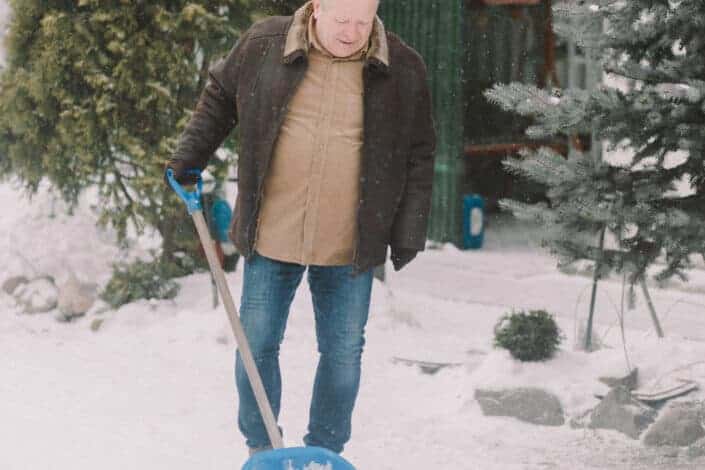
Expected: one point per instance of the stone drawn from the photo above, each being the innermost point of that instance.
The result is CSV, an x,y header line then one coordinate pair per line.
x,y
75,297
620,412
39,295
96,324
12,283
670,452
678,425
696,449
222,339
532,405
580,421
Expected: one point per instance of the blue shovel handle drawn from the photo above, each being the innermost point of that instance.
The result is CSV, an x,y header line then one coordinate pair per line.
x,y
192,199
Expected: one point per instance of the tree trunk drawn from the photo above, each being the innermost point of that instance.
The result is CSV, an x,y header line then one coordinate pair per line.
x,y
595,276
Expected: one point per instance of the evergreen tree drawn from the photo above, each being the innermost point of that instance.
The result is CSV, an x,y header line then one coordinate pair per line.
x,y
96,93
278,7
624,215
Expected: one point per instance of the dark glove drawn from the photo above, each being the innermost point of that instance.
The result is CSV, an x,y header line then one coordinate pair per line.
x,y
401,256
181,174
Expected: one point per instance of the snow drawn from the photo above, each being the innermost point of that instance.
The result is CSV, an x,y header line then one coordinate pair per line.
x,y
50,241
622,155
315,466
42,292
153,387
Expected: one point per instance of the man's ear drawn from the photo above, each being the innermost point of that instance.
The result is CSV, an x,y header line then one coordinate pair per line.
x,y
316,8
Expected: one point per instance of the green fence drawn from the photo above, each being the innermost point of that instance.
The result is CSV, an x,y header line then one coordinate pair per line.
x,y
503,45
435,29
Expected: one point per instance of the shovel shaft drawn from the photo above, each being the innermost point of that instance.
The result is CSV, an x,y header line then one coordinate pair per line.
x,y
265,408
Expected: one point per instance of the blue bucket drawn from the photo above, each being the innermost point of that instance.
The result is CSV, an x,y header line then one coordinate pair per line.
x,y
297,458
473,221
220,219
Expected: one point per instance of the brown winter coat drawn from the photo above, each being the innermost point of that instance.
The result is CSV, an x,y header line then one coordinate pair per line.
x,y
252,88
308,213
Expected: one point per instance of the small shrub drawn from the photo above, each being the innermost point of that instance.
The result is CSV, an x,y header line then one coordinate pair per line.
x,y
145,280
528,337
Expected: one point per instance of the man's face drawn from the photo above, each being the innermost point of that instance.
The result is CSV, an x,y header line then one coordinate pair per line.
x,y
344,26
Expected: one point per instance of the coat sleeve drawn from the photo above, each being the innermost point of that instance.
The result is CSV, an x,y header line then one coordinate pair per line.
x,y
213,119
411,219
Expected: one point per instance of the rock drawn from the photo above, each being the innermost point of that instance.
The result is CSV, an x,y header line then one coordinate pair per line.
x,y
75,298
37,296
580,421
619,411
532,405
696,449
678,425
670,452
629,381
222,339
96,324
12,283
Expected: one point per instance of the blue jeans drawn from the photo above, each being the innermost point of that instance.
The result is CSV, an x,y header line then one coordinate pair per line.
x,y
341,304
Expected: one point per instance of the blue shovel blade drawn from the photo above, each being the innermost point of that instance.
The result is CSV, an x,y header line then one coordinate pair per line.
x,y
297,458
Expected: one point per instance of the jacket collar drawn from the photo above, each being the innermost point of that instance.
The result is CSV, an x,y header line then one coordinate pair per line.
x,y
298,44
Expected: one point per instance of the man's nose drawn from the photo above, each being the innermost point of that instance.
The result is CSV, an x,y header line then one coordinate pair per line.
x,y
349,33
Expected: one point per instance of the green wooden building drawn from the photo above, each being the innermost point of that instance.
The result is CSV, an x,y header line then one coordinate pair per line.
x,y
468,45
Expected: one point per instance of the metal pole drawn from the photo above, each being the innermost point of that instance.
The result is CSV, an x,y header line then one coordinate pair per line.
x,y
595,277
652,310
265,408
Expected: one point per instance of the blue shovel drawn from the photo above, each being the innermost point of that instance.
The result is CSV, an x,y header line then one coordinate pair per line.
x,y
279,458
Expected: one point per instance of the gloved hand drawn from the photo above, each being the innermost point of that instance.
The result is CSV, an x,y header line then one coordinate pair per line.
x,y
181,174
401,256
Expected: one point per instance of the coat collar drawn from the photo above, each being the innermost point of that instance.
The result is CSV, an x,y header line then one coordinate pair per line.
x,y
298,44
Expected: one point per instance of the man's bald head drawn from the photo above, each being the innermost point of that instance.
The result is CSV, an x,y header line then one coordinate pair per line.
x,y
326,3
344,26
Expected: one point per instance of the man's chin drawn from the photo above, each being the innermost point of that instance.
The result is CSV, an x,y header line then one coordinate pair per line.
x,y
345,51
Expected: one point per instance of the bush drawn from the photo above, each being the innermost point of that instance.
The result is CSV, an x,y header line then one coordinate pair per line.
x,y
145,280
528,337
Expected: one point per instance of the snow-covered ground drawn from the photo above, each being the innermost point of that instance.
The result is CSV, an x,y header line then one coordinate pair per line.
x,y
153,387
